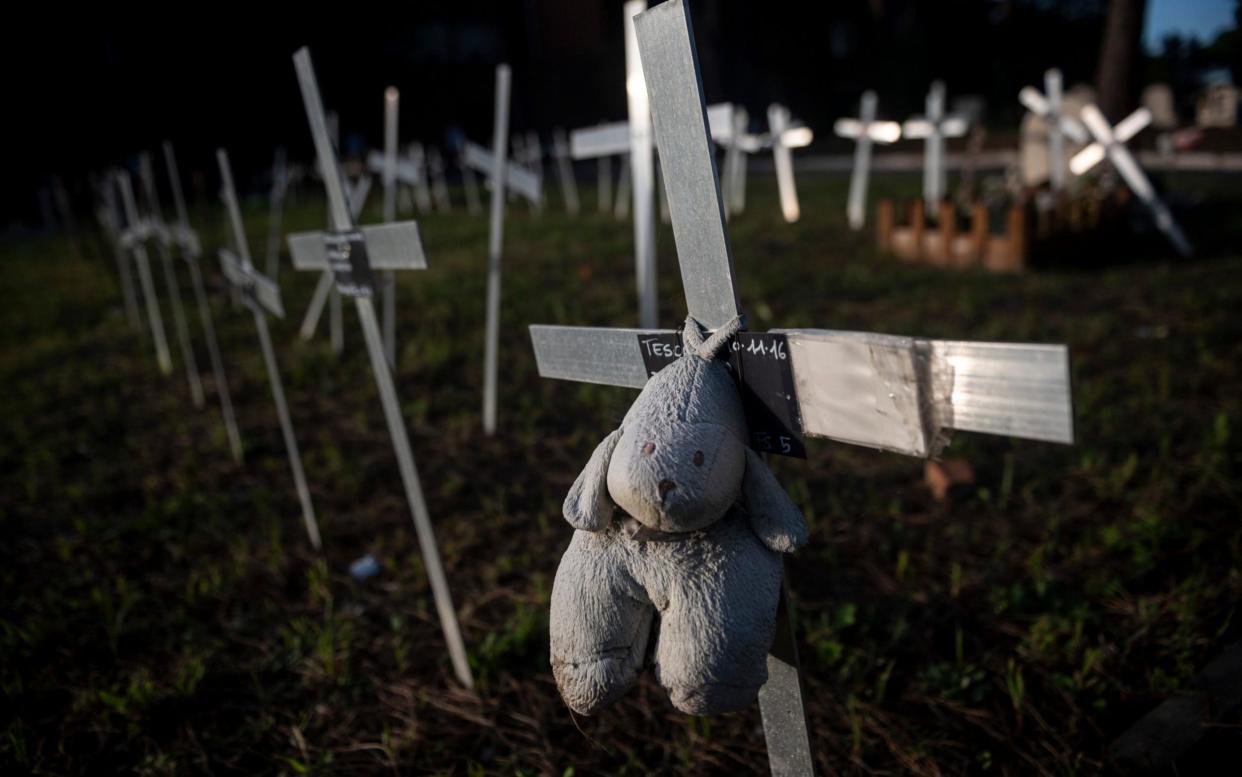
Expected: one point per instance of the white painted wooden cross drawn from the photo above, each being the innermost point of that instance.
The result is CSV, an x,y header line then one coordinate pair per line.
x,y
864,130
187,242
503,175
785,135
1111,142
1047,106
164,245
352,253
133,238
933,128
898,393
262,296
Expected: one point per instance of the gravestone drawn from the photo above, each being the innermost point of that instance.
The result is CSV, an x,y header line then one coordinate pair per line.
x,y
1111,142
262,296
1158,99
352,254
897,393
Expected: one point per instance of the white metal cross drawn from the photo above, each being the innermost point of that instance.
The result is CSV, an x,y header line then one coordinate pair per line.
x,y
865,130
325,290
934,128
565,170
352,253
1111,142
1047,106
133,238
262,296
164,243
108,213
191,250
898,393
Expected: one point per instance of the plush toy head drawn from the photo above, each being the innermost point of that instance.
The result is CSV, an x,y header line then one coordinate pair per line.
x,y
679,462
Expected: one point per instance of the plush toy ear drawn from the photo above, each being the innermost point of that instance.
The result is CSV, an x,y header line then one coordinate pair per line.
x,y
587,505
773,516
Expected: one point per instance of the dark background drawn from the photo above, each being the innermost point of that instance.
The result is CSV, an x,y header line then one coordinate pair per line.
x,y
96,92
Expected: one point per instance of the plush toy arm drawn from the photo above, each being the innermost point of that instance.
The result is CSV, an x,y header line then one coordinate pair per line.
x,y
587,505
773,516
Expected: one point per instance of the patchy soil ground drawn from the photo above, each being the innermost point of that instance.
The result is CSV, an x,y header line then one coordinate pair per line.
x,y
162,612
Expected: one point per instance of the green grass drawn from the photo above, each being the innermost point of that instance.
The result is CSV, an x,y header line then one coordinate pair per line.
x,y
163,613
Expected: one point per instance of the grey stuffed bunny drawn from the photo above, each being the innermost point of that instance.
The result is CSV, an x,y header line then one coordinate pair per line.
x,y
699,544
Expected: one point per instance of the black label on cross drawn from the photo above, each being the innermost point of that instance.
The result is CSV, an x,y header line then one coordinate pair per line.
x,y
347,258
759,362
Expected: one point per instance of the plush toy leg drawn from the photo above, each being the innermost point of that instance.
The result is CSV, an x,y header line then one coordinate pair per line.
x,y
599,624
718,623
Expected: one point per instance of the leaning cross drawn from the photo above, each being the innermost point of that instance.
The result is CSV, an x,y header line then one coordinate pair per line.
x,y
184,236
1111,142
865,130
933,129
1060,126
262,296
164,242
565,170
880,391
109,216
352,254
134,237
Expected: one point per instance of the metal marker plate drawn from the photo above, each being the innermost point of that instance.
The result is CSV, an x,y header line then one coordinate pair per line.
x,y
759,362
347,258
396,246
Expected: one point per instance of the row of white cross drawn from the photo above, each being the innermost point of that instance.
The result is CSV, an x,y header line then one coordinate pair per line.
x,y
901,394
935,126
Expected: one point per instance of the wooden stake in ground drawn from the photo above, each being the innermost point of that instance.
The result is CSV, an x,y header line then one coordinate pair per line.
x,y
134,237
807,382
263,298
864,130
933,128
352,253
186,239
1111,142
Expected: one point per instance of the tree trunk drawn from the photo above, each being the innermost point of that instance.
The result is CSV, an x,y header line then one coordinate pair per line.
x,y
1120,57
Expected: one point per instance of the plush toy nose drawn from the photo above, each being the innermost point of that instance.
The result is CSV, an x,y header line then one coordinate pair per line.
x,y
664,487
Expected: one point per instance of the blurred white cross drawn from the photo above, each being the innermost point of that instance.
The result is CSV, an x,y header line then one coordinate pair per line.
x,y
934,128
1047,106
866,130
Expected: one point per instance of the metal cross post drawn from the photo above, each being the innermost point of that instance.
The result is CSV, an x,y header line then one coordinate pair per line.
x,y
1060,126
933,128
471,187
164,241
533,160
1111,142
191,250
109,215
785,135
352,253
504,175
262,296
439,184
134,237
738,146
275,212
565,170
325,290
864,130
898,393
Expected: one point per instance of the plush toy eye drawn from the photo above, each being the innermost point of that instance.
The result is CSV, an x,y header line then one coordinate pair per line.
x,y
698,458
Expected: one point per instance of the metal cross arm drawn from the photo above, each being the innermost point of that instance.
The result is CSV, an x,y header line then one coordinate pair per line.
x,y
395,246
896,393
520,179
349,251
